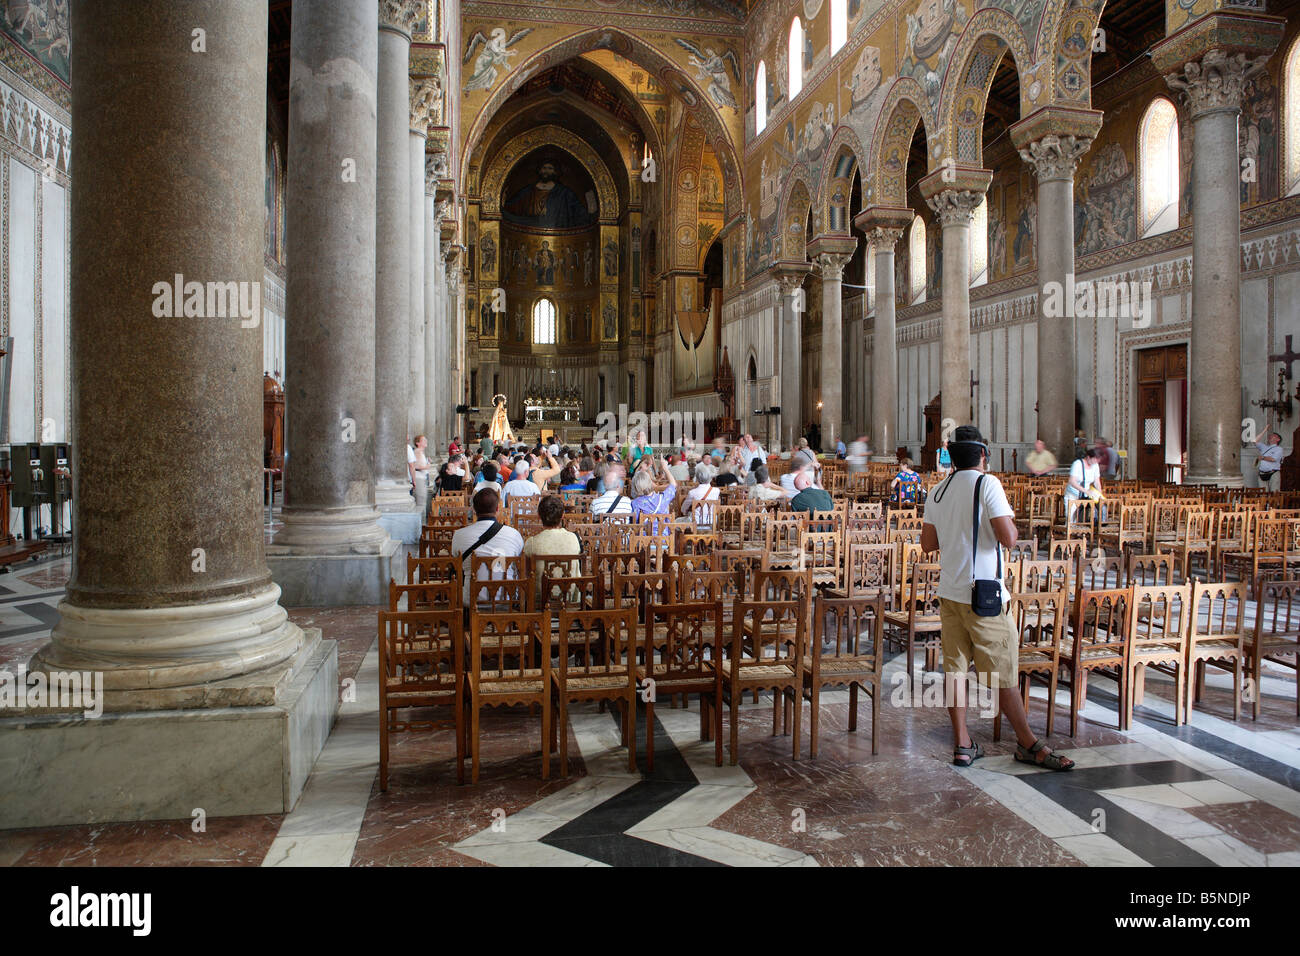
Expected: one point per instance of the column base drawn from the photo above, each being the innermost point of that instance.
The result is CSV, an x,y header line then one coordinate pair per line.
x,y
394,496
885,459
1232,480
247,747
352,530
327,580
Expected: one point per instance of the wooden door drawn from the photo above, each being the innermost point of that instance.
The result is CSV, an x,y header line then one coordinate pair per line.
x,y
1155,368
1151,432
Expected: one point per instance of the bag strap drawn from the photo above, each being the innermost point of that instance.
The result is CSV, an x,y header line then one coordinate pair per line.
x,y
484,538
613,505
975,543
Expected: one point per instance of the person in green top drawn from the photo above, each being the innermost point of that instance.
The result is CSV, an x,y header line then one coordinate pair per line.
x,y
808,496
634,450
485,447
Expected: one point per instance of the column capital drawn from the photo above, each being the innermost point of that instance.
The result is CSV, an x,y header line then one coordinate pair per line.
x,y
954,191
832,265
1053,139
400,16
790,275
1216,82
955,207
884,238
888,219
426,104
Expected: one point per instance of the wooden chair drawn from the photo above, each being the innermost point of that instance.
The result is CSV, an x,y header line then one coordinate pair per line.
x,y
767,651
1151,570
869,573
1218,637
1040,618
597,658
421,665
1159,622
728,524
846,650
429,569
683,650
509,664
1129,528
914,621
1098,641
1196,537
432,596
822,555
782,540
435,542
499,583
1276,635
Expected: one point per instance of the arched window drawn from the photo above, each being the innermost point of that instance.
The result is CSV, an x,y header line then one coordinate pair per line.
x,y
796,58
916,260
1291,121
979,244
1158,157
544,322
839,24
760,98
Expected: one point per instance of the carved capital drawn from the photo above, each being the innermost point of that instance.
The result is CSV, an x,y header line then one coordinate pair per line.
x,y
789,282
400,15
884,238
832,265
426,104
1055,157
435,169
955,207
1216,82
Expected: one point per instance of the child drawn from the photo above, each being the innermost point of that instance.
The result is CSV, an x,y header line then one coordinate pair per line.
x,y
906,484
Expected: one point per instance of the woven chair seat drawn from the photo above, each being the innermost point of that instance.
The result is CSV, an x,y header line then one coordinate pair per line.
x,y
1216,645
529,683
1161,651
924,622
759,671
1276,640
1089,653
613,681
420,698
842,667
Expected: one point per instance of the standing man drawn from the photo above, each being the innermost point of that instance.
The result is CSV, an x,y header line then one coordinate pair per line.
x,y
968,551
1270,459
1040,461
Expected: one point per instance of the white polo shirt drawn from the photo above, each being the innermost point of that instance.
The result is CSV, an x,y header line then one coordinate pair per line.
x,y
950,509
507,542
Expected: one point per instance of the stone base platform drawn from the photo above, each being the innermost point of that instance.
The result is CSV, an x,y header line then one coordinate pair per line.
x,y
329,580
167,763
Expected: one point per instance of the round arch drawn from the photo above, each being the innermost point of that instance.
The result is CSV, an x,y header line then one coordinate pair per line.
x,y
845,156
499,166
792,216
647,57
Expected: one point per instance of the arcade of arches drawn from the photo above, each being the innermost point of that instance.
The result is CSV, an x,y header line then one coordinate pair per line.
x,y
359,221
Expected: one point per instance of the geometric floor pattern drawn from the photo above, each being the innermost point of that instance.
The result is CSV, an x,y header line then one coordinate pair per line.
x,y
1213,792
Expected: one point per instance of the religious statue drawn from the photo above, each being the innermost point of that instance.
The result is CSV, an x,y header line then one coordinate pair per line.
x,y
547,203
499,431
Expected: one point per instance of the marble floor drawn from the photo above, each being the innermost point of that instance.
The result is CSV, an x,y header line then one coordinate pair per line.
x,y
1213,792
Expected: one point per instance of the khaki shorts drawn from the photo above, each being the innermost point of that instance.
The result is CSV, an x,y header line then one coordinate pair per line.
x,y
989,642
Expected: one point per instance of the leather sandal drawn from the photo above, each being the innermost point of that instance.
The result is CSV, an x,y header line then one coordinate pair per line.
x,y
1051,759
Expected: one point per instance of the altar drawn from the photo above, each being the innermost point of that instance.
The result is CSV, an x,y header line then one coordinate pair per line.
x,y
558,405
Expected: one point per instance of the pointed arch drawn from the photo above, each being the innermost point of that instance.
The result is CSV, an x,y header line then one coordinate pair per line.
x,y
885,180
499,166
646,56
845,156
988,37
792,216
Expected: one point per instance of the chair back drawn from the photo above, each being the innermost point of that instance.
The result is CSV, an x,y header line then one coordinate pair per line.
x,y
500,583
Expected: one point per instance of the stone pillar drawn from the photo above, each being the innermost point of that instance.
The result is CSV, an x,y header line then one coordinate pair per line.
x,y
218,700
1052,140
884,226
436,390
833,254
423,93
393,264
331,548
953,193
790,277
1209,69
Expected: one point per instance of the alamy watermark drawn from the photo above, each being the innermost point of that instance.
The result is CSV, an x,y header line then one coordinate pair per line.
x,y
210,300
667,429
64,690
1098,298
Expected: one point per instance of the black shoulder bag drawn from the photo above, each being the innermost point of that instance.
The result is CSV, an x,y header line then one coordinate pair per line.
x,y
985,595
484,538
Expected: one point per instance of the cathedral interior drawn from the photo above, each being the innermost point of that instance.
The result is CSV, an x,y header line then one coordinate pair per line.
x,y
296,236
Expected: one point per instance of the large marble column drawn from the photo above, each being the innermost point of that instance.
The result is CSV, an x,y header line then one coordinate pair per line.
x,y
953,193
218,701
393,264
884,226
331,549
422,103
436,390
1209,69
790,277
833,254
1052,140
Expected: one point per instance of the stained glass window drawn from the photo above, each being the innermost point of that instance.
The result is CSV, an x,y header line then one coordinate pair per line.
x,y
760,98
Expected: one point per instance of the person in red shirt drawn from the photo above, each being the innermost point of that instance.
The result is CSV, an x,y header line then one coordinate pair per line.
x,y
454,448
